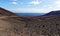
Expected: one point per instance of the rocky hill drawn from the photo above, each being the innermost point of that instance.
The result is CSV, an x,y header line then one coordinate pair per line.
x,y
29,26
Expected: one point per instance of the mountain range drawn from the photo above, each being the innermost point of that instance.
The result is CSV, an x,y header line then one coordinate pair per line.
x,y
14,25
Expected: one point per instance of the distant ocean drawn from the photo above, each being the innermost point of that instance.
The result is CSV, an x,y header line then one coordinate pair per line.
x,y
30,14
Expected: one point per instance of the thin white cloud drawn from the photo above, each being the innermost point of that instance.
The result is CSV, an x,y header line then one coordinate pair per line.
x,y
56,5
31,10
14,2
35,2
46,8
57,2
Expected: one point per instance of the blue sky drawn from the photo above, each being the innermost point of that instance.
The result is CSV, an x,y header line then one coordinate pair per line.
x,y
30,6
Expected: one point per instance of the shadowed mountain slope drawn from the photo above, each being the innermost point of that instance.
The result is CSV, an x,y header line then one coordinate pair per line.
x,y
30,26
53,13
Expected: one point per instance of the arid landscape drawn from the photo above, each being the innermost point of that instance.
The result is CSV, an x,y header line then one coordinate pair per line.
x,y
14,25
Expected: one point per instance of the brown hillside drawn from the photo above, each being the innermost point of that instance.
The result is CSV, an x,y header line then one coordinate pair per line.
x,y
30,26
4,12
